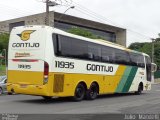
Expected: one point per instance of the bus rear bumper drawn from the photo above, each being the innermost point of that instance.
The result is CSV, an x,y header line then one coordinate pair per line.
x,y
40,90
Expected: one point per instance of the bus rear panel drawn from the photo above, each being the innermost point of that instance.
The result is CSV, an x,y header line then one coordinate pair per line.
x,y
27,68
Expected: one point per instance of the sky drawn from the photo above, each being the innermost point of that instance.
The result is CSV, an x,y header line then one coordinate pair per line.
x,y
141,18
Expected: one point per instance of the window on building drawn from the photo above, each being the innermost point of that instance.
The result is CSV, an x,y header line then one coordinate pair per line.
x,y
109,36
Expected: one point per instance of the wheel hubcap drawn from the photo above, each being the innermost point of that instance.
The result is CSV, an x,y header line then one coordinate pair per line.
x,y
93,92
79,92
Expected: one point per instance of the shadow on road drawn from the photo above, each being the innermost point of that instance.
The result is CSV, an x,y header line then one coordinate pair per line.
x,y
117,95
43,101
69,99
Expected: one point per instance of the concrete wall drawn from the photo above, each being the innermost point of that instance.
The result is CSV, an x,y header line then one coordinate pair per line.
x,y
39,19
121,37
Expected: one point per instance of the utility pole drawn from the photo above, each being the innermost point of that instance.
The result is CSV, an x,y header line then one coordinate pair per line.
x,y
49,4
152,74
47,13
153,40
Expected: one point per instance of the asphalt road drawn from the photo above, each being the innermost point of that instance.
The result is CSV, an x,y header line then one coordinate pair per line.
x,y
148,102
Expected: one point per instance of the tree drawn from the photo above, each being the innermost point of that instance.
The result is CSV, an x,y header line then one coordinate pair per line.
x,y
4,39
147,48
157,51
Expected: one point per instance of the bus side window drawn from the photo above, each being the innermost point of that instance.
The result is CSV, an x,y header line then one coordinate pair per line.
x,y
140,60
108,54
137,60
133,59
95,50
79,49
122,57
55,43
90,56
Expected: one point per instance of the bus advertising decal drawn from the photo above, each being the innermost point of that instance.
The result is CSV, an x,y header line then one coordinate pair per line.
x,y
25,36
89,67
24,54
130,79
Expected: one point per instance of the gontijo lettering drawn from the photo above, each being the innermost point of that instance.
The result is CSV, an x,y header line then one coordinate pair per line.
x,y
102,68
25,45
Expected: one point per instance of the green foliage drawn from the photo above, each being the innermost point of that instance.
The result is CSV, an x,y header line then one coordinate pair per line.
x,y
147,48
4,39
84,33
2,70
157,54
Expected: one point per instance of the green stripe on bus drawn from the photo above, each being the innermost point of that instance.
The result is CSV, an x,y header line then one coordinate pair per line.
x,y
130,79
123,79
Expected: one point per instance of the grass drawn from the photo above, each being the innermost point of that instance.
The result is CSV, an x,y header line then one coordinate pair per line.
x,y
2,70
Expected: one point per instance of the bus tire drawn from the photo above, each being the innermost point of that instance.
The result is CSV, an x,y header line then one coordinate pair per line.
x,y
47,97
10,93
92,92
79,92
140,89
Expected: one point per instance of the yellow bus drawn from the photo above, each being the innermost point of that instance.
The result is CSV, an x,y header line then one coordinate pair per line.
x,y
47,62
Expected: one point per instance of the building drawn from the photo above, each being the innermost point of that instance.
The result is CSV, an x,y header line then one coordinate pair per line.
x,y
66,22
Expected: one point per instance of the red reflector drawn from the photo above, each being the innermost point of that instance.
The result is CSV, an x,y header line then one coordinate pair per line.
x,y
24,60
46,69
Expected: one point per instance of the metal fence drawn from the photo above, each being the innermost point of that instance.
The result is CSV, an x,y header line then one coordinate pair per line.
x,y
157,74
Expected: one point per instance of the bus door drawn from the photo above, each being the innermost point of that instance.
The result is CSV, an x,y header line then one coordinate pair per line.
x,y
148,68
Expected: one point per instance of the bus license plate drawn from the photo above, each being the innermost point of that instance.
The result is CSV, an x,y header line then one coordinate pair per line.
x,y
23,85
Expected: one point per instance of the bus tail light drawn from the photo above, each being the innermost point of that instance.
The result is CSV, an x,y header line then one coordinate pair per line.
x,y
46,72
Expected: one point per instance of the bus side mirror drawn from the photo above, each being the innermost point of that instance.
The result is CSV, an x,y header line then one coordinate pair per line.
x,y
153,67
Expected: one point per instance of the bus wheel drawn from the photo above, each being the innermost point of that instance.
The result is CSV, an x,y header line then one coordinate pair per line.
x,y
92,93
47,97
10,93
140,89
79,92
